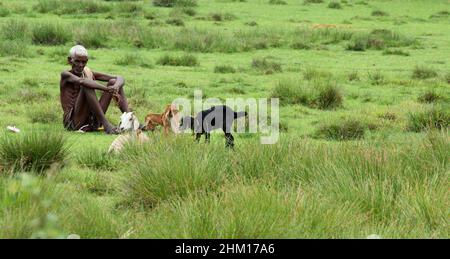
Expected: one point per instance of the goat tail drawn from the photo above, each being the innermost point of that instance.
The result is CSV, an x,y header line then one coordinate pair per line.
x,y
240,114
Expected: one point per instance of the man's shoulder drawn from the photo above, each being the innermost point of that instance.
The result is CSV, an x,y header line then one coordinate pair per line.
x,y
65,74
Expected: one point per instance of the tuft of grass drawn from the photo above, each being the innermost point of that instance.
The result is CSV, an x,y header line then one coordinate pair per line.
x,y
353,76
28,208
320,94
133,59
277,2
186,60
35,151
15,30
397,52
328,97
447,78
175,21
421,72
376,78
224,69
93,34
311,73
50,34
312,1
335,5
97,159
45,114
379,13
348,129
430,96
435,117
266,66
14,48
172,3
151,179
219,17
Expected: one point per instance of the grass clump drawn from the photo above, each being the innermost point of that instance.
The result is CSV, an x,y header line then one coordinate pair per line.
x,y
50,34
353,76
328,97
151,178
97,159
312,1
224,69
319,94
35,151
93,34
349,129
175,21
435,117
277,2
172,3
397,52
421,72
379,13
43,114
133,59
266,66
376,78
186,60
219,17
335,5
430,97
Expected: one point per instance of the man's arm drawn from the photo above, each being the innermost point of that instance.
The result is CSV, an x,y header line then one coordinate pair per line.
x,y
120,81
71,78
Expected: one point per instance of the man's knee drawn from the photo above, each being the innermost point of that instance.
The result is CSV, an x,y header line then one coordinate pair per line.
x,y
111,82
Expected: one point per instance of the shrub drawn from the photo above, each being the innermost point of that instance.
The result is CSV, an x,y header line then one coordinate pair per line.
x,y
348,129
47,6
447,78
436,117
187,60
358,43
266,66
35,151
50,34
388,116
129,8
421,72
334,5
224,69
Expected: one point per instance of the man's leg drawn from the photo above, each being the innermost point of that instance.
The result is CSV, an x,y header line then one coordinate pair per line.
x,y
105,99
86,103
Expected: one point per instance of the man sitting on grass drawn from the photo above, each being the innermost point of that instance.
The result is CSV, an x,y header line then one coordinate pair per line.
x,y
82,109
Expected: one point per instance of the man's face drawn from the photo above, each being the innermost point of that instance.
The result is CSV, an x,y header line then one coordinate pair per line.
x,y
78,63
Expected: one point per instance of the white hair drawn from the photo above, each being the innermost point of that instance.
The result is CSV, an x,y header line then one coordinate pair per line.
x,y
78,50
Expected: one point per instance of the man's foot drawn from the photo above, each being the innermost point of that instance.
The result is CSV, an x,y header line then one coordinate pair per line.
x,y
112,130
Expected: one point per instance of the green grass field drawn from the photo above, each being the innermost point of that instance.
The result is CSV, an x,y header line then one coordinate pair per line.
x,y
364,89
